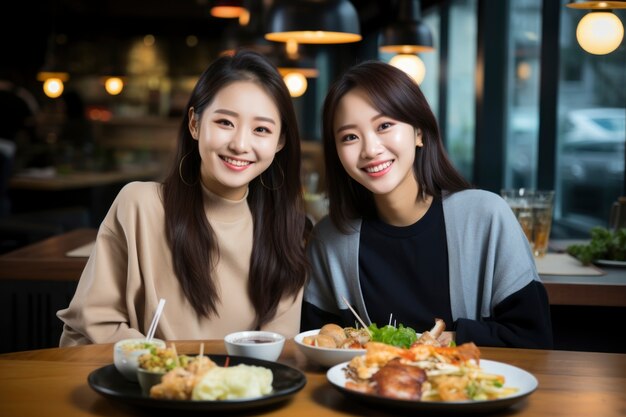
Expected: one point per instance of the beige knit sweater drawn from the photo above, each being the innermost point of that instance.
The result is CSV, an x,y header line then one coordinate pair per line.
x,y
130,269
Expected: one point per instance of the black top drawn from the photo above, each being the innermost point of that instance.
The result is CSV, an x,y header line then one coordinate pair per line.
x,y
403,271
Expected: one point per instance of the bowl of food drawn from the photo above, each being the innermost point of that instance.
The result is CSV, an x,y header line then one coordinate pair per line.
x,y
147,379
127,351
255,344
332,344
152,366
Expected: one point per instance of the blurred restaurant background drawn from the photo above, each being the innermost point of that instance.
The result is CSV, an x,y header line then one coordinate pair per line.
x,y
519,101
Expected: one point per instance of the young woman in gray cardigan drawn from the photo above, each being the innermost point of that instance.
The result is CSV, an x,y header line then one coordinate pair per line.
x,y
407,237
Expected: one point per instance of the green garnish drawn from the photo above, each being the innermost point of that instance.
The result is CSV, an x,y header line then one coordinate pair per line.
x,y
472,390
397,336
604,244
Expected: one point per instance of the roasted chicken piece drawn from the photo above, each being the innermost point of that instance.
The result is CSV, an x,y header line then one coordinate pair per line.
x,y
397,380
430,337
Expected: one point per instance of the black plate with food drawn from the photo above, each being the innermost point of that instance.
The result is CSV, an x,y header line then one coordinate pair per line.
x,y
287,381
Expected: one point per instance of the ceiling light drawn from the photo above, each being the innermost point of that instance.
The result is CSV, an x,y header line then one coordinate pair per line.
x,y
114,85
313,21
411,64
51,74
296,83
407,34
53,87
600,31
228,9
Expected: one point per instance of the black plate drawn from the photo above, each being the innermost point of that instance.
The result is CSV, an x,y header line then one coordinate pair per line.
x,y
108,382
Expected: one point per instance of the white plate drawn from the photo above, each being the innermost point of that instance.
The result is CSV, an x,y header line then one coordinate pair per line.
x,y
515,377
606,262
325,356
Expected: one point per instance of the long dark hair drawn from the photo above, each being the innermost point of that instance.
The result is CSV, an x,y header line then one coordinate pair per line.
x,y
396,95
278,262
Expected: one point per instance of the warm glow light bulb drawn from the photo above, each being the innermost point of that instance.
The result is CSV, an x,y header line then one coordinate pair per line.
x,y
114,85
227,12
296,83
411,64
599,32
53,87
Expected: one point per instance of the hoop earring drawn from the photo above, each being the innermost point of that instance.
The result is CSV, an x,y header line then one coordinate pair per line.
x,y
282,174
180,171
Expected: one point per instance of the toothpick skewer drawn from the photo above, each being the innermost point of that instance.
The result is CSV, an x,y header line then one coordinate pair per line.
x,y
201,350
175,354
356,315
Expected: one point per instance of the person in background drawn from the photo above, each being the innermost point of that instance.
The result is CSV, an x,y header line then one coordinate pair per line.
x,y
407,236
18,110
221,239
77,144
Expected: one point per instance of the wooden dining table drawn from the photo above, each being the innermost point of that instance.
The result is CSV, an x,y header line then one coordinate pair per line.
x,y
53,382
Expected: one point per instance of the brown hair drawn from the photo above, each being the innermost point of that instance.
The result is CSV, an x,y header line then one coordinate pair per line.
x,y
278,262
395,94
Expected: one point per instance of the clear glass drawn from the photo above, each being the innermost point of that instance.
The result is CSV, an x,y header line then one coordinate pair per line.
x,y
461,120
591,133
533,209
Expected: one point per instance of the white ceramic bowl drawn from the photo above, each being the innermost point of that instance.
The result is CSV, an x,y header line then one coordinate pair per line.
x,y
325,356
127,351
255,344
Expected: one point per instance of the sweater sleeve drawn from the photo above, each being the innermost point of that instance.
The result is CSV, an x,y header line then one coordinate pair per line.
x,y
98,311
521,320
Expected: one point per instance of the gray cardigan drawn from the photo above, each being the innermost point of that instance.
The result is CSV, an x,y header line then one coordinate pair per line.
x,y
489,258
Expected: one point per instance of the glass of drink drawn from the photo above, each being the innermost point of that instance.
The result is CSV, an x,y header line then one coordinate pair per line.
x,y
542,220
533,210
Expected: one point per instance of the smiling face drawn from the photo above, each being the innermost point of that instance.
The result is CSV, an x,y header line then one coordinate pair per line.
x,y
238,135
375,150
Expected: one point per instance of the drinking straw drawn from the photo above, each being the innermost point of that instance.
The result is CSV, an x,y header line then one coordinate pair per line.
x,y
155,319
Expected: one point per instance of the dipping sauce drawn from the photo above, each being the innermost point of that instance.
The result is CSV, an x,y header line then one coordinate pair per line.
x,y
255,339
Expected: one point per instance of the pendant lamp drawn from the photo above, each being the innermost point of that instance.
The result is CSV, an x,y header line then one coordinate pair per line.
x,y
52,76
313,22
295,68
248,34
408,34
600,31
228,9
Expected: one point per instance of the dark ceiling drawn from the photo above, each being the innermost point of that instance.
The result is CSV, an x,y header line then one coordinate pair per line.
x,y
102,20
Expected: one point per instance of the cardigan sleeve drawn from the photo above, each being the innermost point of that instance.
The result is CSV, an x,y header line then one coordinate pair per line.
x,y
333,258
521,320
496,294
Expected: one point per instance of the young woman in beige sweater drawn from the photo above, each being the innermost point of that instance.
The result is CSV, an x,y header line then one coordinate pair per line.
x,y
221,239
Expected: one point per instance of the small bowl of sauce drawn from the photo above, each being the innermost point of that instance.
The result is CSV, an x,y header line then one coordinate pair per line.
x,y
257,344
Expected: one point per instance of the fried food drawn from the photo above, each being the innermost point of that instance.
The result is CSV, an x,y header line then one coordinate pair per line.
x,y
336,337
335,331
424,372
397,380
179,382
